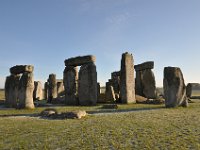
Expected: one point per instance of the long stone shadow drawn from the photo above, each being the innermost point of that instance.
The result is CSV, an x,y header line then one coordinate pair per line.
x,y
112,111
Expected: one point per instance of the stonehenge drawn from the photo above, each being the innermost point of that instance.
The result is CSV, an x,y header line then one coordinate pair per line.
x,y
174,87
127,81
145,84
79,84
80,87
19,87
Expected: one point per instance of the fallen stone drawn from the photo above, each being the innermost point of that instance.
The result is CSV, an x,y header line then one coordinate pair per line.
x,y
140,99
81,60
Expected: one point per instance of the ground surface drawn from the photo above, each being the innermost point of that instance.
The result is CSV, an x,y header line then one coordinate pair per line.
x,y
135,126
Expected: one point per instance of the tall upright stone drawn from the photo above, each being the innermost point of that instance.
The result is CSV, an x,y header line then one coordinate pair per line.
x,y
115,77
46,87
127,81
174,87
189,90
70,83
52,91
98,89
87,84
60,88
26,87
38,91
11,90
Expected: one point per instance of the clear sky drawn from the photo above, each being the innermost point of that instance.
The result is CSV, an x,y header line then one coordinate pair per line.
x,y
46,32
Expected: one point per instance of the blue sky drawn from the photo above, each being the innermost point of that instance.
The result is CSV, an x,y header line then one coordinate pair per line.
x,y
46,32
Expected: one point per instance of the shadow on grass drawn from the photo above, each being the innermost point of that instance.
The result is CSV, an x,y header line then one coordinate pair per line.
x,y
110,111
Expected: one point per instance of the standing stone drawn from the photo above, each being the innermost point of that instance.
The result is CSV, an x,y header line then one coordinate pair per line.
x,y
149,84
174,87
11,90
60,89
115,77
88,84
70,78
26,87
98,89
127,81
145,80
38,91
46,87
138,83
110,94
189,90
52,91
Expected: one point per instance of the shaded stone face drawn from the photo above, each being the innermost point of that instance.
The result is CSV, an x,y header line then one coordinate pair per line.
x,y
98,89
46,87
144,66
11,90
189,90
52,87
115,80
70,83
174,87
26,87
81,60
38,92
146,84
127,81
21,69
60,89
87,84
110,94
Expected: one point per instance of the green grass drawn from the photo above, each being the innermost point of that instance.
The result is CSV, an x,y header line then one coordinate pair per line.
x,y
145,127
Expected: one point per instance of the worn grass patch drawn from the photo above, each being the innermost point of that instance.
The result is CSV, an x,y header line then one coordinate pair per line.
x,y
144,127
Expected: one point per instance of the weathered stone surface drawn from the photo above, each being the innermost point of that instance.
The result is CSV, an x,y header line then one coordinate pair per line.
x,y
189,90
110,94
174,87
11,90
38,91
145,65
81,60
127,81
87,84
115,80
138,83
140,99
46,87
60,89
26,87
21,69
70,77
98,89
149,84
52,91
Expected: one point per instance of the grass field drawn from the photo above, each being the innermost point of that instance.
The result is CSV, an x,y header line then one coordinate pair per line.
x,y
135,126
